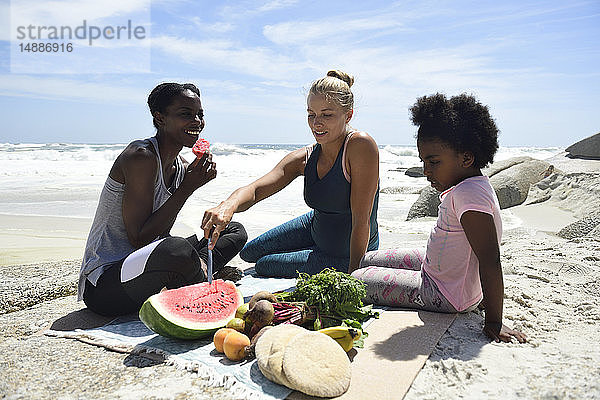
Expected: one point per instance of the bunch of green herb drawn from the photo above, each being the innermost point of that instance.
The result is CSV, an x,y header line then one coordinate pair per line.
x,y
335,295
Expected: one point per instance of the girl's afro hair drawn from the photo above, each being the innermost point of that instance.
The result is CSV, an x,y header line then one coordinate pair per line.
x,y
461,122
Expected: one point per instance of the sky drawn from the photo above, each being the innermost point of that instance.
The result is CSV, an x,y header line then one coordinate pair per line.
x,y
534,63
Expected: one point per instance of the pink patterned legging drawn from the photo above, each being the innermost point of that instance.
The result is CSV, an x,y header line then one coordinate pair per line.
x,y
394,278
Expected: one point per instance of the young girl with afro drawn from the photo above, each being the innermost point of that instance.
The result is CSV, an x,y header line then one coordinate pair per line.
x,y
460,269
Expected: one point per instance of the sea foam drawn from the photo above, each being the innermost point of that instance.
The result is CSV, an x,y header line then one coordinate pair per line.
x,y
63,179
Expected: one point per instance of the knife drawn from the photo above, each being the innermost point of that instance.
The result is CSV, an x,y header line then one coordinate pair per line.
x,y
209,264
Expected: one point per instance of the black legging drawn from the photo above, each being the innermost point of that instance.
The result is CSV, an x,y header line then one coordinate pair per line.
x,y
172,263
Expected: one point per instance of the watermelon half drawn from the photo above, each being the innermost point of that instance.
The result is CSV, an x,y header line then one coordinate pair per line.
x,y
192,312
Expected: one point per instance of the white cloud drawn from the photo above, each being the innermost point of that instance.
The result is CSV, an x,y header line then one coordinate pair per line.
x,y
510,12
276,4
68,89
74,12
214,27
386,75
388,79
261,62
301,32
203,83
70,11
245,9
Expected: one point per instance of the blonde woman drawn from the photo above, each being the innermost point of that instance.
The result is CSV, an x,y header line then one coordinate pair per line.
x,y
341,179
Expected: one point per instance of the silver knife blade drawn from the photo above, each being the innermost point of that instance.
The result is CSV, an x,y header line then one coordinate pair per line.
x,y
209,264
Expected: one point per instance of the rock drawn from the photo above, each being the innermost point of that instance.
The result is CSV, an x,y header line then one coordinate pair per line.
x,y
588,148
512,184
415,172
578,192
498,166
580,228
510,179
398,189
509,192
426,205
45,281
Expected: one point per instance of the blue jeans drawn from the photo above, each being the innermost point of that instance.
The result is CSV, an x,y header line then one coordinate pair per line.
x,y
288,249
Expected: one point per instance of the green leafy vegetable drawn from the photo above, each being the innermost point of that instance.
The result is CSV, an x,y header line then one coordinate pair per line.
x,y
330,291
335,295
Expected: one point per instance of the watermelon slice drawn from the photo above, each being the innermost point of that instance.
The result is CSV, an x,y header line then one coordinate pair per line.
x,y
200,147
192,312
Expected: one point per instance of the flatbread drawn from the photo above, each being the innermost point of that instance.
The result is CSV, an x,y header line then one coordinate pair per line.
x,y
270,348
315,364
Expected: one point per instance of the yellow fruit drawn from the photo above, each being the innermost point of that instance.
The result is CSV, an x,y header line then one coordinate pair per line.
x,y
235,346
344,335
219,338
242,310
238,324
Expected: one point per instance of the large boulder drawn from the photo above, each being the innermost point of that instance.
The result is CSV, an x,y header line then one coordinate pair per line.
x,y
510,179
576,192
498,166
588,148
426,205
512,184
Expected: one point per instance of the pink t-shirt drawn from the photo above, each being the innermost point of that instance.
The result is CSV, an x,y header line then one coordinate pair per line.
x,y
449,259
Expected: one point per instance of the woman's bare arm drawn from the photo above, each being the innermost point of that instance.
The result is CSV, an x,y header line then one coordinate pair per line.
x,y
288,169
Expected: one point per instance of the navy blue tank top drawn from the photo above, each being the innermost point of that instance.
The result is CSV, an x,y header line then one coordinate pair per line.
x,y
330,199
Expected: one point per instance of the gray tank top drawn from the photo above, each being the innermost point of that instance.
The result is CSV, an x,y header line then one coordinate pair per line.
x,y
107,241
330,198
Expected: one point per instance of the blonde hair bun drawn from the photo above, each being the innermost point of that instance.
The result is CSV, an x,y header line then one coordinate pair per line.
x,y
336,73
335,87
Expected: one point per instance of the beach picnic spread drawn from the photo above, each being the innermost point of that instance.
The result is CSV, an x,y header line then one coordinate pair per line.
x,y
310,361
289,357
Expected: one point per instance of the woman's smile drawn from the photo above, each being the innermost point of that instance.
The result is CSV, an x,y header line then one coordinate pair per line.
x,y
193,131
326,120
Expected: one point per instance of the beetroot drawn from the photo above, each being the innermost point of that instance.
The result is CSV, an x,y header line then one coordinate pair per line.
x,y
262,295
261,314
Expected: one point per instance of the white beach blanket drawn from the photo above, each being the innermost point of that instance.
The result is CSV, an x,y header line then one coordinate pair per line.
x,y
244,379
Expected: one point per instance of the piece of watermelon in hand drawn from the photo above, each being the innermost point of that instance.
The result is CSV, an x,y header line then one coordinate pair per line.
x,y
200,147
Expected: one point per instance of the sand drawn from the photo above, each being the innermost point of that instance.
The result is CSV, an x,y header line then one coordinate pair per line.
x,y
552,293
27,239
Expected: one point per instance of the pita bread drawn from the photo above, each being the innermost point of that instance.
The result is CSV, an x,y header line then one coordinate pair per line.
x,y
270,348
315,364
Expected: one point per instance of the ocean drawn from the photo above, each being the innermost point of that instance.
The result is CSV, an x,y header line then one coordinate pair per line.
x,y
61,179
